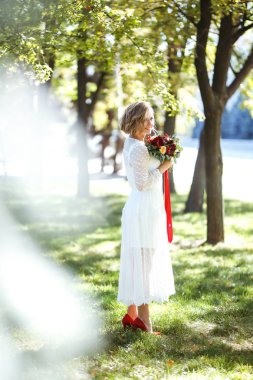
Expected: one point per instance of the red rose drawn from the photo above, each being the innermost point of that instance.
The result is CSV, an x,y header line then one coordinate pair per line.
x,y
160,141
154,141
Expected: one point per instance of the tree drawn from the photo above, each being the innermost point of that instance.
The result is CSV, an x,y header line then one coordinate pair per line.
x,y
28,34
231,20
169,32
44,29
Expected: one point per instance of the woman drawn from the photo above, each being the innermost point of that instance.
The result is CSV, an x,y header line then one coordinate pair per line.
x,y
145,267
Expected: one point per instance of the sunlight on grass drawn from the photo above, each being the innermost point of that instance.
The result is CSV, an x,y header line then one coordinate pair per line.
x,y
206,327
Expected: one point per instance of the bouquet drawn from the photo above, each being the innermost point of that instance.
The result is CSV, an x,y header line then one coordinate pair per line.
x,y
163,147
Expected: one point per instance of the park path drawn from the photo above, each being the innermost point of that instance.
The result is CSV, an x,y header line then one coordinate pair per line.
x,y
237,171
58,168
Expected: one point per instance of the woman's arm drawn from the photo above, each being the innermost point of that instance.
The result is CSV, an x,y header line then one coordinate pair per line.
x,y
145,179
165,166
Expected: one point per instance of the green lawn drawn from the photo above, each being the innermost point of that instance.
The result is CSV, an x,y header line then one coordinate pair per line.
x,y
206,328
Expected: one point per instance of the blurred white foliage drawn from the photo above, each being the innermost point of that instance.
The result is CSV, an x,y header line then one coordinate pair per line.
x,y
37,297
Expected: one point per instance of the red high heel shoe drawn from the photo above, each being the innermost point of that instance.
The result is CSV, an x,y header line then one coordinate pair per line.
x,y
139,324
127,321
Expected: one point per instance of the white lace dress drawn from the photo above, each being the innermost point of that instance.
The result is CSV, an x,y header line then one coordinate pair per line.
x,y
145,267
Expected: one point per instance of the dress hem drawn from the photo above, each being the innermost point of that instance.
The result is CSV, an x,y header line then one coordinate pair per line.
x,y
144,302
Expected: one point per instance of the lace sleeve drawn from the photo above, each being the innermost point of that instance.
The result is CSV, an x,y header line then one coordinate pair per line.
x,y
139,159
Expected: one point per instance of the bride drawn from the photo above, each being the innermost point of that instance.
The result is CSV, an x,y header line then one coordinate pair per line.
x,y
145,266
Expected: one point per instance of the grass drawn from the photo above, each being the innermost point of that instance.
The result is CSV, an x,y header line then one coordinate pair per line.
x,y
206,328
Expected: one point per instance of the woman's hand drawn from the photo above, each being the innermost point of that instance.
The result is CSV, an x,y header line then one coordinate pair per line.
x,y
166,165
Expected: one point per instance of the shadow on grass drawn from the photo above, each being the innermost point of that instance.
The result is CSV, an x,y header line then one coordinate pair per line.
x,y
55,222
189,347
213,306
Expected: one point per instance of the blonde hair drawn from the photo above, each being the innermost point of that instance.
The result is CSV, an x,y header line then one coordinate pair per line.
x,y
134,116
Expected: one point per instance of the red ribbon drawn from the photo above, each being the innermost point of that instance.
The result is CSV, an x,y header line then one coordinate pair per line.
x,y
166,184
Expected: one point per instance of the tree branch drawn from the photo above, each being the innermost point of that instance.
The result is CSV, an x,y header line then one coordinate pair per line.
x,y
241,31
188,17
238,56
241,75
153,9
223,55
203,27
232,69
99,83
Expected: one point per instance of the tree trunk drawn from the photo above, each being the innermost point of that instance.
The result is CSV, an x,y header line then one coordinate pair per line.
x,y
214,168
196,196
83,174
169,127
82,146
214,98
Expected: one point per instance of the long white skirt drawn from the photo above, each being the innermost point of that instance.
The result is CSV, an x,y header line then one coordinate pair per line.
x,y
145,266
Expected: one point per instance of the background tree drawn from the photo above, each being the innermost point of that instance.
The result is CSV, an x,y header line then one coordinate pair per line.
x,y
176,33
221,24
231,20
149,58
